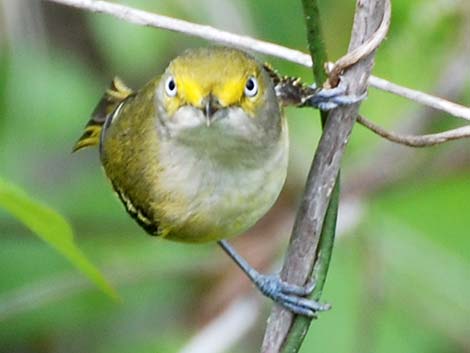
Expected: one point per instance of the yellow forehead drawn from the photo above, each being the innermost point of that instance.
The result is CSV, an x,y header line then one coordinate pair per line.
x,y
222,72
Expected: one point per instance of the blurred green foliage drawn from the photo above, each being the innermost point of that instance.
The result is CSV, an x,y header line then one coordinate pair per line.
x,y
50,227
399,279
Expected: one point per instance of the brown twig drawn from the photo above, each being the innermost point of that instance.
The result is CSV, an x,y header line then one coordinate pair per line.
x,y
416,140
363,50
322,176
388,163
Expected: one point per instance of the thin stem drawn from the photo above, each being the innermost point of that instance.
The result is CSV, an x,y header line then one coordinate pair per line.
x,y
300,325
143,18
321,180
316,43
364,49
416,140
454,109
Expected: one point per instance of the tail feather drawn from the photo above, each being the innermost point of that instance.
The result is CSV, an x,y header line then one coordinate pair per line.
x,y
114,95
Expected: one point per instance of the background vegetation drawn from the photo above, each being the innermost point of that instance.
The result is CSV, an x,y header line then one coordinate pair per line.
x,y
400,274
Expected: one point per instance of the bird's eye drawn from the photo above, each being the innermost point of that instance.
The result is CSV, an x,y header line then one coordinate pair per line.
x,y
170,86
251,87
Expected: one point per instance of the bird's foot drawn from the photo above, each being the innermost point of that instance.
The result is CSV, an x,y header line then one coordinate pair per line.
x,y
331,98
290,296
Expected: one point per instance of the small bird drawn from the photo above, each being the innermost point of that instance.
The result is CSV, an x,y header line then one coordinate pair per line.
x,y
200,153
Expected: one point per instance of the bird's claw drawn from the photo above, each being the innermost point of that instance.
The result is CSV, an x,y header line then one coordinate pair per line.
x,y
331,98
291,296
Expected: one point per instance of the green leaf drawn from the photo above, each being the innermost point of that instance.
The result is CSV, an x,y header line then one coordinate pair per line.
x,y
52,228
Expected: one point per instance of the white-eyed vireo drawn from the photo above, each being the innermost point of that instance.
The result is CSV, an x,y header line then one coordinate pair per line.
x,y
200,153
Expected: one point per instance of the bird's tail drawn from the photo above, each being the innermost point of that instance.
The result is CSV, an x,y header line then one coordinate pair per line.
x,y
114,95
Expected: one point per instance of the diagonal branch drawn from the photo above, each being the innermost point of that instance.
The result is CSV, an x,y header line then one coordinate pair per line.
x,y
323,241
452,108
323,173
143,18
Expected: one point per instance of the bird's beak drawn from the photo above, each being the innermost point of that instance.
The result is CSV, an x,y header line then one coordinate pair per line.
x,y
210,106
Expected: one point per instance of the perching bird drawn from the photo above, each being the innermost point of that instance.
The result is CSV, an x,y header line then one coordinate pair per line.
x,y
199,153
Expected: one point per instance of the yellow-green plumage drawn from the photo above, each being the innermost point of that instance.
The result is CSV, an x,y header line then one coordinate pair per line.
x,y
200,153
113,96
204,163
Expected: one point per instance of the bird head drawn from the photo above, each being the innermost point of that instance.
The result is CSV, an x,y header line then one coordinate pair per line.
x,y
217,91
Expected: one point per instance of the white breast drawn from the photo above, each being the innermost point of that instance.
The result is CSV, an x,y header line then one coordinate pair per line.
x,y
234,191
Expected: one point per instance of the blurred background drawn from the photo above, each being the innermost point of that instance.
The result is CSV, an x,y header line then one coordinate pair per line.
x,y
399,278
